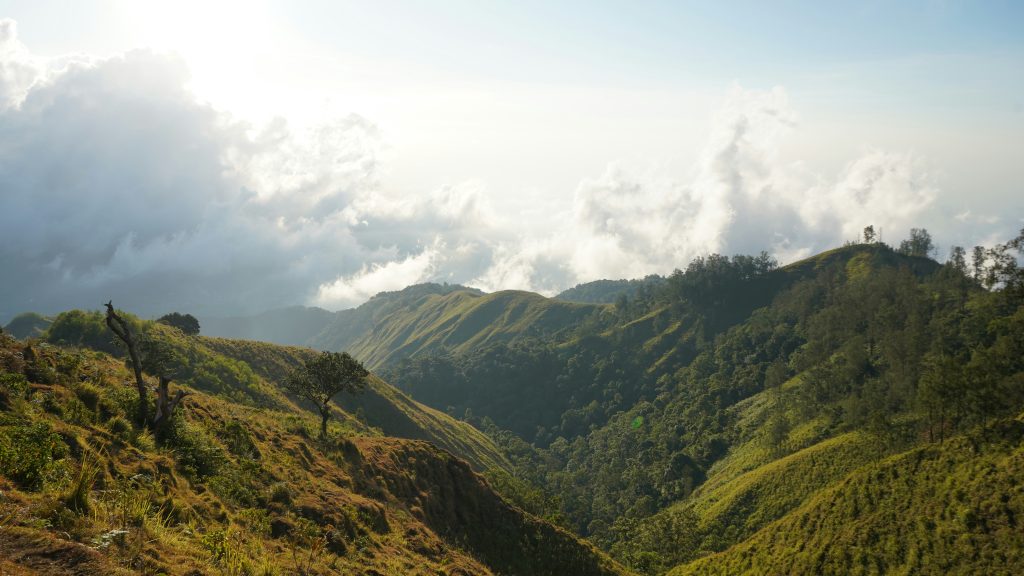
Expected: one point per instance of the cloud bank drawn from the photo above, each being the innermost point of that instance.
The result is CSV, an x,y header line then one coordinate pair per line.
x,y
117,182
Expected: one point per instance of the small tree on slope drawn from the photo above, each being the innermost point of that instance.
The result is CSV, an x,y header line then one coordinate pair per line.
x,y
321,378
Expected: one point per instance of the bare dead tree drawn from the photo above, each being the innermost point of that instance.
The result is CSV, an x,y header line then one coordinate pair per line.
x,y
165,405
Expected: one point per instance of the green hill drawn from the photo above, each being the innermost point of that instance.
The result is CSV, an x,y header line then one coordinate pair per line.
x,y
238,485
27,325
250,372
683,423
854,412
422,319
952,508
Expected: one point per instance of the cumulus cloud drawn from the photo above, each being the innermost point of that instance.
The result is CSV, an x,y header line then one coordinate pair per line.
x,y
740,198
376,278
119,183
18,69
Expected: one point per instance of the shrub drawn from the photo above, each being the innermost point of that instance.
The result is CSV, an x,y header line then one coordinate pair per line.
x,y
89,395
12,387
119,426
187,323
197,451
256,520
118,401
238,484
28,451
77,496
238,441
83,329
280,493
76,412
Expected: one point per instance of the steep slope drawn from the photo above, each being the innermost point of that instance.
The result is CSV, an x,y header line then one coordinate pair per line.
x,y
422,319
250,372
380,406
419,319
953,508
239,489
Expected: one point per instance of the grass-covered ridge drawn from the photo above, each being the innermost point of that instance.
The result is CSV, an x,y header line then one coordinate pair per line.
x,y
951,508
399,325
237,487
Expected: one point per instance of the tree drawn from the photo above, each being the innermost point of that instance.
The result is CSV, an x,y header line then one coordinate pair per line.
x,y
146,355
187,323
869,235
324,376
958,259
919,243
978,263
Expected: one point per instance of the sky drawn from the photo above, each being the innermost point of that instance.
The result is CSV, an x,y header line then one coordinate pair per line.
x,y
230,157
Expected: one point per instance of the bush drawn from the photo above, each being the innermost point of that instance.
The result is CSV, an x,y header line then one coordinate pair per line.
x,y
28,451
239,484
88,394
280,493
256,520
238,441
187,323
197,451
77,496
12,387
83,329
118,401
120,426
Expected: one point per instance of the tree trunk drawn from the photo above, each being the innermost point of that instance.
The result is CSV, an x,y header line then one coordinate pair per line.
x,y
121,329
325,413
165,405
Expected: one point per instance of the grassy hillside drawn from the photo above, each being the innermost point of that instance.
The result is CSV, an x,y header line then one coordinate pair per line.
x,y
236,486
380,406
250,372
951,508
419,320
682,423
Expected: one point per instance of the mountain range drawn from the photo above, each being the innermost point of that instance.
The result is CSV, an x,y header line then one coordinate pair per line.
x,y
859,411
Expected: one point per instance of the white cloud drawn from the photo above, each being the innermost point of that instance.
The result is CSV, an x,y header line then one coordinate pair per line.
x,y
118,183
352,290
739,198
18,69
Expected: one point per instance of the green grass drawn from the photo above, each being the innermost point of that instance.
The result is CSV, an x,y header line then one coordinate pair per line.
x,y
397,325
939,509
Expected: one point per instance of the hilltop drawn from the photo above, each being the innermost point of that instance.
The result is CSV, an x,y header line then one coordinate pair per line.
x,y
420,319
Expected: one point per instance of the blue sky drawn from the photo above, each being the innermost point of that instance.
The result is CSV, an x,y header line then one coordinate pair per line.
x,y
504,144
